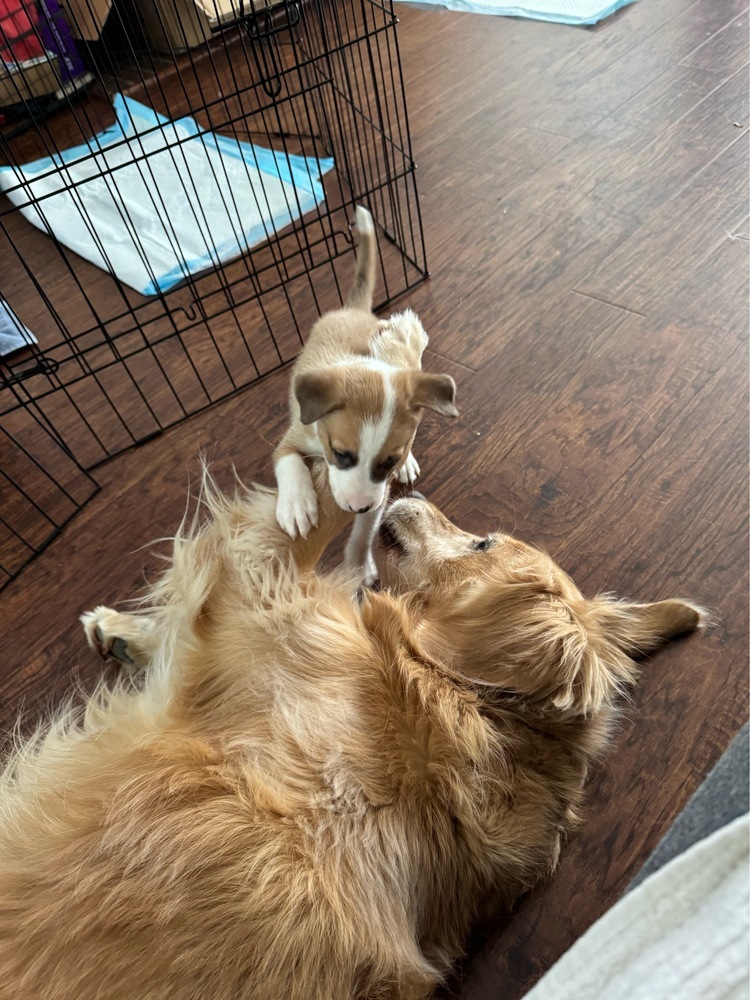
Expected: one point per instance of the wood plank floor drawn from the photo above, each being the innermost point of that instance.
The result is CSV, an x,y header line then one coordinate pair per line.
x,y
585,200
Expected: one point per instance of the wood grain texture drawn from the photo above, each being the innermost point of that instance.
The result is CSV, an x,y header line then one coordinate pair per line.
x,y
673,241
585,204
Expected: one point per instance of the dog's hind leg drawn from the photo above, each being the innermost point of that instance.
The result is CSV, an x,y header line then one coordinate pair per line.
x,y
400,340
129,639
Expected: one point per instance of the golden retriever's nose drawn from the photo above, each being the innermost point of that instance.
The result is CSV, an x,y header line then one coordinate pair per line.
x,y
361,510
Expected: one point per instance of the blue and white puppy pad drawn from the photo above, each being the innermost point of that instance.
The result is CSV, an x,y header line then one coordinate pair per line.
x,y
154,201
13,334
562,11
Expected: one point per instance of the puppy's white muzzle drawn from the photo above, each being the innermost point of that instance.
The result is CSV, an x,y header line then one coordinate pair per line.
x,y
354,491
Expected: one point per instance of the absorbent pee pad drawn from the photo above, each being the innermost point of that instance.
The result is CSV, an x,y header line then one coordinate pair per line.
x,y
562,11
154,201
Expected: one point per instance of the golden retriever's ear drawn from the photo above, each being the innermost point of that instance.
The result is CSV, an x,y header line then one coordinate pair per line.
x,y
317,393
637,629
616,633
435,392
520,633
530,632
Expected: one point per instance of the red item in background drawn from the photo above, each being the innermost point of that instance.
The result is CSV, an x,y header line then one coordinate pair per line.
x,y
19,39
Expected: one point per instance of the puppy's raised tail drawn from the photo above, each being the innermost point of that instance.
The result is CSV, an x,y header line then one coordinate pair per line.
x,y
360,294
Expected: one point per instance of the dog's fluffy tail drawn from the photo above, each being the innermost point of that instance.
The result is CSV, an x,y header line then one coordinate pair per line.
x,y
360,294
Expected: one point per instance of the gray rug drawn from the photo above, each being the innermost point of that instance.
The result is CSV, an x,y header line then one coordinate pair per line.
x,y
723,796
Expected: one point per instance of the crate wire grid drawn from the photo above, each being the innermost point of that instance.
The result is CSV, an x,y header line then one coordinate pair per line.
x,y
113,368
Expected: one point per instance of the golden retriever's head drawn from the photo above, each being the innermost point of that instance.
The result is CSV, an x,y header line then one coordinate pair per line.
x,y
506,615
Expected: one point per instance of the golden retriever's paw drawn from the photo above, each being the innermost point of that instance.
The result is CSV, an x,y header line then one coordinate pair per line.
x,y
124,638
297,514
99,627
409,470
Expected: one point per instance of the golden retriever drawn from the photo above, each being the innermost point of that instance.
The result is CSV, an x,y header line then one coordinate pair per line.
x,y
311,789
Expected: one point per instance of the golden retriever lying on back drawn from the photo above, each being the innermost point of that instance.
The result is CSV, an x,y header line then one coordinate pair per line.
x,y
312,790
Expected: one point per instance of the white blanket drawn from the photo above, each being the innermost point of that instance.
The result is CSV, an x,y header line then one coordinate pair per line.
x,y
683,934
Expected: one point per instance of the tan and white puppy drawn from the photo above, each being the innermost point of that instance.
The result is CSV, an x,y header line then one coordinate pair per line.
x,y
357,397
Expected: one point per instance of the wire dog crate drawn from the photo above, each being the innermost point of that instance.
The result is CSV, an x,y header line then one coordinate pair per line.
x,y
173,219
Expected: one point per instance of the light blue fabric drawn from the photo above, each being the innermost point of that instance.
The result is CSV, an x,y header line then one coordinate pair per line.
x,y
195,200
561,11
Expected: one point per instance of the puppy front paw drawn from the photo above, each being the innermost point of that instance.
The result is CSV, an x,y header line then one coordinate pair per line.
x,y
297,514
409,470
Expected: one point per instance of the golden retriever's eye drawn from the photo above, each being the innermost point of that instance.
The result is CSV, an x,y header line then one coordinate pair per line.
x,y
389,462
483,544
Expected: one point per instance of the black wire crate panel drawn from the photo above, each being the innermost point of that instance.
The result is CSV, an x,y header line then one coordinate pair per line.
x,y
171,228
41,488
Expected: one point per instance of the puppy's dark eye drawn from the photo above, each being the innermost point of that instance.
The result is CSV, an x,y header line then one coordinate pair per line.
x,y
484,544
344,459
380,470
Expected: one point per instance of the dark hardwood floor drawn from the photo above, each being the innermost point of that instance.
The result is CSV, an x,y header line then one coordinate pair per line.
x,y
585,197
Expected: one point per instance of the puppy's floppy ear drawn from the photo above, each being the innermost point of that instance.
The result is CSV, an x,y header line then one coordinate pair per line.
x,y
434,392
317,393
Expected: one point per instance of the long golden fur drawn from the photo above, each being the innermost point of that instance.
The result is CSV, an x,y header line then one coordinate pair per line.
x,y
310,791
